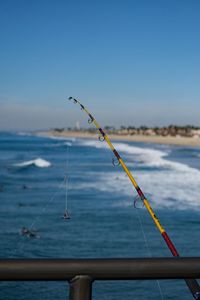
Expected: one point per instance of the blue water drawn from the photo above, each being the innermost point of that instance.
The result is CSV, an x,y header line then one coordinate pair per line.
x,y
104,222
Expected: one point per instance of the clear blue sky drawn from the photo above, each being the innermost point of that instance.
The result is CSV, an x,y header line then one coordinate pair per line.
x,y
130,62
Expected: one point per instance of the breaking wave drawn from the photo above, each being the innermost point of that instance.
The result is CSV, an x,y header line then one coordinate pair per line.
x,y
38,162
147,156
58,145
61,138
171,184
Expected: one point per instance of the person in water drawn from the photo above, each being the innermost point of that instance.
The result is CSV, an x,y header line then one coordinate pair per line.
x,y
29,233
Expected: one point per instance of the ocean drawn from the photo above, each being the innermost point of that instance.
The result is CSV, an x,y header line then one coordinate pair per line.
x,y
106,218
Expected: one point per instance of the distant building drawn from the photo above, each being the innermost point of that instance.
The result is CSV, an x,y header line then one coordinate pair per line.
x,y
77,126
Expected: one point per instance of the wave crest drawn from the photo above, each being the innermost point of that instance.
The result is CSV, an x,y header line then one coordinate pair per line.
x,y
38,162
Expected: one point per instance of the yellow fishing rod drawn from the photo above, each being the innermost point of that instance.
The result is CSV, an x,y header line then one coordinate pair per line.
x,y
191,283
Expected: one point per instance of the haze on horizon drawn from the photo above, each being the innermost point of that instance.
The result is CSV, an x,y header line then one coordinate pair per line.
x,y
129,62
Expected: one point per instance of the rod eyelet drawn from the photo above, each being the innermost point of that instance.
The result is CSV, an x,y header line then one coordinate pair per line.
x,y
115,162
90,121
101,138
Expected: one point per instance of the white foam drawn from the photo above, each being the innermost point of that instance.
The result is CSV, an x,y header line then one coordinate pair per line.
x,y
38,162
167,188
23,133
68,144
57,145
93,143
172,184
61,138
149,157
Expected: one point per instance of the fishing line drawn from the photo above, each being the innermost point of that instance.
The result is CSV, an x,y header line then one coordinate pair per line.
x,y
66,192
191,283
147,246
66,212
51,199
63,184
36,220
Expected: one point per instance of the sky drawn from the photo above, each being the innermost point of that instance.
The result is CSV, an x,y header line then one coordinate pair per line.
x,y
129,62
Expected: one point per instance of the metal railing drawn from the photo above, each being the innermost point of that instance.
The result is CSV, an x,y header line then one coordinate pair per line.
x,y
81,273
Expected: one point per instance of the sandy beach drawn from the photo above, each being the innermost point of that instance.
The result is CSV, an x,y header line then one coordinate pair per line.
x,y
169,140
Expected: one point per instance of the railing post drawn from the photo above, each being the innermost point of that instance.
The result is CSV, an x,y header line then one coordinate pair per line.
x,y
81,288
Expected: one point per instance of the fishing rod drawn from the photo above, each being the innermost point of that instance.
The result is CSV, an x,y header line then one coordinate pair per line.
x,y
191,283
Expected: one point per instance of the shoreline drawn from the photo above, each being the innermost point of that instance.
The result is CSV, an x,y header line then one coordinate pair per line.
x,y
166,140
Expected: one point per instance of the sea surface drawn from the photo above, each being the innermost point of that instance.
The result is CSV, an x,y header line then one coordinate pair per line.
x,y
42,176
